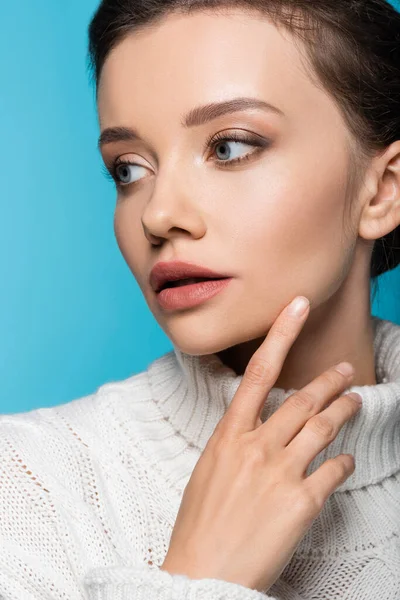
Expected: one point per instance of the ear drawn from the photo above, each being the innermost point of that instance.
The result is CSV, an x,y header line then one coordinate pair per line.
x,y
381,212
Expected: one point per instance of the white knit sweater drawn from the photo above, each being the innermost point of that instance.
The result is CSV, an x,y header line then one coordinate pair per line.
x,y
90,490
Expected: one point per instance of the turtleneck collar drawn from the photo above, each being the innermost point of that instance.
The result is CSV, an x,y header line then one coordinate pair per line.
x,y
193,393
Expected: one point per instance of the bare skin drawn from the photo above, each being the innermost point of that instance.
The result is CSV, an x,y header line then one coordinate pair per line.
x,y
274,222
249,502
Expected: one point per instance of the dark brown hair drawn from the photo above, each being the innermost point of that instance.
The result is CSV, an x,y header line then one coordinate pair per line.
x,y
351,46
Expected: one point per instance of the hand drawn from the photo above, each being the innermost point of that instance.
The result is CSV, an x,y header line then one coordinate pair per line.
x,y
248,502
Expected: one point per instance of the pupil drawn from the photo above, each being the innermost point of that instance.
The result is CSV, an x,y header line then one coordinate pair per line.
x,y
223,144
124,172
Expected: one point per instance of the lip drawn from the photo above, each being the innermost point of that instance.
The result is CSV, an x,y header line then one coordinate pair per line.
x,y
177,269
190,295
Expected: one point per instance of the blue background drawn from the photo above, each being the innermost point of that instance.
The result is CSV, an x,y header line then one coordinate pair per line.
x,y
72,316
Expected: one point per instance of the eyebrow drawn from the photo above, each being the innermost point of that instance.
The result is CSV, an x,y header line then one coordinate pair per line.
x,y
197,116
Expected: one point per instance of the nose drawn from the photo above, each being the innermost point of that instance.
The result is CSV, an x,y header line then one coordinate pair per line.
x,y
173,210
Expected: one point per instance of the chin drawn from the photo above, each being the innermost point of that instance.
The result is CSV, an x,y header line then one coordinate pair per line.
x,y
197,344
203,340
197,349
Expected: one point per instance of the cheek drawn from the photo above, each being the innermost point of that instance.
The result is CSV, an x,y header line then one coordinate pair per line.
x,y
287,210
290,228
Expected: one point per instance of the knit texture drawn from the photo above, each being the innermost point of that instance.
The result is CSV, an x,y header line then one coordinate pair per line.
x,y
90,489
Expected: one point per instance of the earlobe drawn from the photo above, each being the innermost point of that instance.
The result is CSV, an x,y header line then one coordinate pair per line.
x,y
381,213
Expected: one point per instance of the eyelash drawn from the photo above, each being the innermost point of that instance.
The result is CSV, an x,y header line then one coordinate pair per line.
x,y
220,137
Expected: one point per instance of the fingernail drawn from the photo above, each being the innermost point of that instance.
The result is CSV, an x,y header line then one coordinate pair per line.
x,y
345,369
298,307
356,397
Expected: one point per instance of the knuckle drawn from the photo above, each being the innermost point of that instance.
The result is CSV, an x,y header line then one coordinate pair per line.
x,y
334,379
220,448
302,400
220,430
322,425
258,371
308,502
254,453
339,467
219,442
313,499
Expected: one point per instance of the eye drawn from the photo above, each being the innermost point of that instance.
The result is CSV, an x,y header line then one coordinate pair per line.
x,y
120,172
224,139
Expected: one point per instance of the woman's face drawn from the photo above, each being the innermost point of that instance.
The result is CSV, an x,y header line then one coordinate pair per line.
x,y
275,222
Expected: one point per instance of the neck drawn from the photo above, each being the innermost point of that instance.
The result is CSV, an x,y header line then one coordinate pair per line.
x,y
333,332
193,392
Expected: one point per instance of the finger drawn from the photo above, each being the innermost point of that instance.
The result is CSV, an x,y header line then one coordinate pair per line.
x,y
328,477
262,372
286,422
320,431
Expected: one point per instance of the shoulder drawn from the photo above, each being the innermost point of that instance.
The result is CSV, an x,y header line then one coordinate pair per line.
x,y
100,435
54,439
69,476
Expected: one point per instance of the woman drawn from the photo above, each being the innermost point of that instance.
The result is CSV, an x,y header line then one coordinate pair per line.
x,y
186,481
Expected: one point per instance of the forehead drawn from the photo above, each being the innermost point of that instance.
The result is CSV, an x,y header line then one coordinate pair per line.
x,y
187,60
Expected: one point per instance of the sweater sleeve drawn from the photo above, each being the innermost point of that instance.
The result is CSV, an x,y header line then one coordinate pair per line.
x,y
34,561
145,583
41,558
